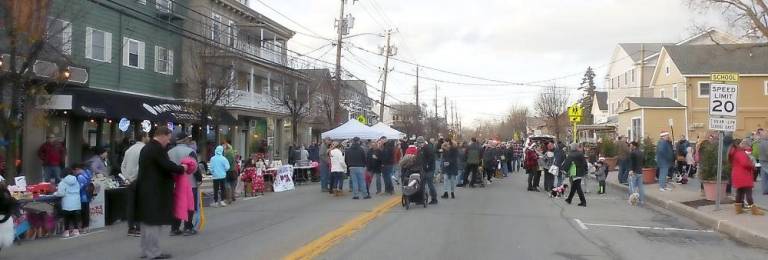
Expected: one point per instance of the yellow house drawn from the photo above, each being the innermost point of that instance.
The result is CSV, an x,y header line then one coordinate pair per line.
x,y
682,74
641,117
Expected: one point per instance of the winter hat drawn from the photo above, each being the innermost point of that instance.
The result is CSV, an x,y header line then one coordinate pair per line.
x,y
573,146
420,140
663,134
412,150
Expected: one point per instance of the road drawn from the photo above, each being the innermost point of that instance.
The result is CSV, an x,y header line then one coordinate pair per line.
x,y
501,221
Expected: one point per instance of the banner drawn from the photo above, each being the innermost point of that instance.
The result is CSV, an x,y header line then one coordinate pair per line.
x,y
97,207
284,179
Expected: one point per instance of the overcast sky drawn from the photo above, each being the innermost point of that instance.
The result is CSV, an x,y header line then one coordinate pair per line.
x,y
509,40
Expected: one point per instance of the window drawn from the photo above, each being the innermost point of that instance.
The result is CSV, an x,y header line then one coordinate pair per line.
x,y
765,88
60,36
98,45
216,28
661,93
133,53
626,79
666,70
674,92
704,89
163,60
231,34
637,128
611,83
164,6
633,75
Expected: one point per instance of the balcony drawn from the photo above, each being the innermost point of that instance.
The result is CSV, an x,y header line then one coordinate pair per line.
x,y
260,102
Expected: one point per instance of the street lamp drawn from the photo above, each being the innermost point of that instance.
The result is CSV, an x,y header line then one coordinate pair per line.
x,y
65,73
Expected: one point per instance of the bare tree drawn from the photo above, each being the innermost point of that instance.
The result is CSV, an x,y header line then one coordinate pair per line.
x,y
515,122
210,87
30,30
749,16
551,104
297,100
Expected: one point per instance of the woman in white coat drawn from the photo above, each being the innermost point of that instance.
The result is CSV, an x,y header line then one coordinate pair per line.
x,y
338,169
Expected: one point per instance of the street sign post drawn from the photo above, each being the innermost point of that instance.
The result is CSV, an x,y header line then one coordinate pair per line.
x,y
575,113
723,104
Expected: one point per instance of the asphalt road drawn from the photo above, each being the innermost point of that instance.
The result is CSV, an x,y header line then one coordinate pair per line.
x,y
502,221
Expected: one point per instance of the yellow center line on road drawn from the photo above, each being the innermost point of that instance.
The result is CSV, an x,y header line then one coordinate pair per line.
x,y
330,239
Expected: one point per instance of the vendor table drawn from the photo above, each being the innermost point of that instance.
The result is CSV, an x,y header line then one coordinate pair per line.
x,y
115,207
301,174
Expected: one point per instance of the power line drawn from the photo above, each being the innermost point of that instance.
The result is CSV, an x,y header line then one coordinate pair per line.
x,y
291,20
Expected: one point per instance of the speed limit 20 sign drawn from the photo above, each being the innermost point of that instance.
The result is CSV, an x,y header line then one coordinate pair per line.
x,y
722,99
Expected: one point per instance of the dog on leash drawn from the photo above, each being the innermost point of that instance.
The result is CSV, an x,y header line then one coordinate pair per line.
x,y
559,192
634,199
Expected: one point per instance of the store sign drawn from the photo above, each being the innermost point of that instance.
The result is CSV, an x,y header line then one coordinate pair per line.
x,y
124,124
724,77
146,126
97,207
284,179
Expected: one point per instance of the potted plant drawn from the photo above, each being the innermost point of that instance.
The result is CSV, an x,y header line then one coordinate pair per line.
x,y
708,170
649,161
608,151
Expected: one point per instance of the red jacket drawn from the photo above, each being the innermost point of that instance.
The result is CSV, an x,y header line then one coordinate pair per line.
x,y
52,154
741,168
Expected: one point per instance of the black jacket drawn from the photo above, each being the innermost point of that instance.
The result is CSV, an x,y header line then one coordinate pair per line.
x,y
154,185
388,153
452,158
636,161
426,158
374,161
576,157
355,156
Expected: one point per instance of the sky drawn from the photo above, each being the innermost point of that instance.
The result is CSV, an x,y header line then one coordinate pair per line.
x,y
544,41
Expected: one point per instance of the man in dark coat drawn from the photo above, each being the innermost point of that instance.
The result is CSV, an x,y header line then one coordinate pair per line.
x,y
576,157
426,157
154,187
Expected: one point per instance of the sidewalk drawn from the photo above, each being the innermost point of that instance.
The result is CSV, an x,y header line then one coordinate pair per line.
x,y
746,228
757,193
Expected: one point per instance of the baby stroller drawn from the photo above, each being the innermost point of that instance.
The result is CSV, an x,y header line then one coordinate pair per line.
x,y
413,191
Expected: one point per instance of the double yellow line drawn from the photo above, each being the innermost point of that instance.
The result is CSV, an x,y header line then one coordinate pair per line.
x,y
330,239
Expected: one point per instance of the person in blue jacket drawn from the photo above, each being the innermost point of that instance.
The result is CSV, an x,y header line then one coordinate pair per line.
x,y
87,191
664,159
69,190
219,166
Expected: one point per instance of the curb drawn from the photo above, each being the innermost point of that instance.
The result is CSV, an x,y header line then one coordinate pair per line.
x,y
737,232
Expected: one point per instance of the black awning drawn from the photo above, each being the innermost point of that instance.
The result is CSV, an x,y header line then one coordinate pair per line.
x,y
89,102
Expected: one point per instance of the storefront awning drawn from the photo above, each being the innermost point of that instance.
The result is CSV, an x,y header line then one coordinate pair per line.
x,y
89,102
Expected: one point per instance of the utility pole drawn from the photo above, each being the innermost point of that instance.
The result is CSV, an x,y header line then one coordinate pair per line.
x,y
436,102
418,105
386,51
445,109
343,26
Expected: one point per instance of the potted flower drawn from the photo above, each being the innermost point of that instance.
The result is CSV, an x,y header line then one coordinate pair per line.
x,y
608,151
649,161
708,170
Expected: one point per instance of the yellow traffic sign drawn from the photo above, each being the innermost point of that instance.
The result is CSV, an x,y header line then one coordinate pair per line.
x,y
575,110
575,119
362,119
724,77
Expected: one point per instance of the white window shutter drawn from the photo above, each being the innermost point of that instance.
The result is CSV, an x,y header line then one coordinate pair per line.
x,y
126,52
141,55
108,47
157,58
170,62
88,42
66,36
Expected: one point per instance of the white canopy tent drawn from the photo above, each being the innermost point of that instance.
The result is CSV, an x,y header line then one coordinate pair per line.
x,y
352,129
388,131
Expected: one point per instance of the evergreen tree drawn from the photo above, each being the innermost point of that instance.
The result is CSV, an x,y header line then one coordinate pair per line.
x,y
588,87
